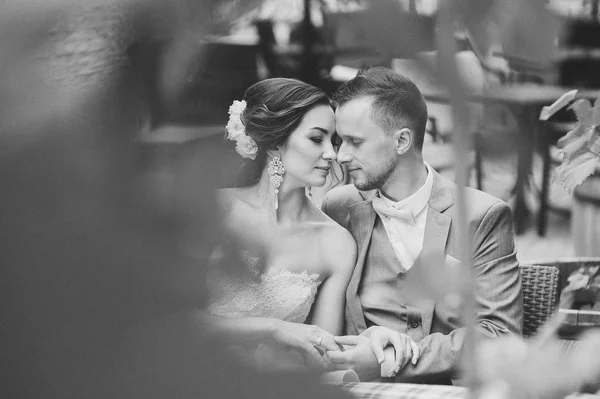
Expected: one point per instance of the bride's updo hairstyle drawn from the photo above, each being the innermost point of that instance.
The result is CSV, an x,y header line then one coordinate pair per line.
x,y
275,107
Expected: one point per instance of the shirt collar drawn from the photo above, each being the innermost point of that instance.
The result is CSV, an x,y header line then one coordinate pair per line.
x,y
416,202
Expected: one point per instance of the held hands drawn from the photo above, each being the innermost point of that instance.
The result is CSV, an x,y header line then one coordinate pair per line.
x,y
406,349
366,355
358,356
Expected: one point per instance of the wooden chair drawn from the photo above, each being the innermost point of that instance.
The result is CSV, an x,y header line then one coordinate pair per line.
x,y
540,288
550,133
543,282
521,69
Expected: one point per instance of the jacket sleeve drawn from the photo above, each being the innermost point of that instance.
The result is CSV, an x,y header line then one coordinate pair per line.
x,y
498,300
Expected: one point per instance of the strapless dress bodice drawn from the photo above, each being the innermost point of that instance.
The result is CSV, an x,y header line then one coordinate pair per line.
x,y
277,293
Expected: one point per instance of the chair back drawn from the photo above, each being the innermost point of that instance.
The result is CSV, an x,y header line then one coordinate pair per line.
x,y
540,288
567,266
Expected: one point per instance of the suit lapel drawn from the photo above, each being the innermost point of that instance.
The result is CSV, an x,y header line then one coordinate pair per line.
x,y
362,217
437,228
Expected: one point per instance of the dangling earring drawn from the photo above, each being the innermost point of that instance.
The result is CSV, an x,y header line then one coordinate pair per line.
x,y
310,192
276,172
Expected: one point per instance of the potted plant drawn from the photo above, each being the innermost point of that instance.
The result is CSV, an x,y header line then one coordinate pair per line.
x,y
579,174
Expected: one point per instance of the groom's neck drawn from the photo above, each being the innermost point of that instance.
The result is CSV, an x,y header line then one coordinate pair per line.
x,y
405,180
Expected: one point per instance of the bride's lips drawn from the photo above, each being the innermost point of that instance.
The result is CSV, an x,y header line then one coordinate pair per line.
x,y
324,168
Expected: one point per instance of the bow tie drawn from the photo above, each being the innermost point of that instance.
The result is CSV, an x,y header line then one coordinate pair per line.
x,y
403,213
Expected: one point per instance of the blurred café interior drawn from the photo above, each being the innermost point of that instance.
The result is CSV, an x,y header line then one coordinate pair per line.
x,y
512,67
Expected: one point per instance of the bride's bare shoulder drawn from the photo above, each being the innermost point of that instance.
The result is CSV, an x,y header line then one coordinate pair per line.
x,y
339,247
229,196
227,199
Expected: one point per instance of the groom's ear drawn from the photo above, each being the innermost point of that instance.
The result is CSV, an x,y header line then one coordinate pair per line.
x,y
403,139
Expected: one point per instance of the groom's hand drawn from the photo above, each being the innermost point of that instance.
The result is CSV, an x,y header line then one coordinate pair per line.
x,y
358,356
402,351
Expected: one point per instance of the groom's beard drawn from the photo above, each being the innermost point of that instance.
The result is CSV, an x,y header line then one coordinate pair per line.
x,y
377,180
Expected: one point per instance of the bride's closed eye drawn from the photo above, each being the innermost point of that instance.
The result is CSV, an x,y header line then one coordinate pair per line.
x,y
317,139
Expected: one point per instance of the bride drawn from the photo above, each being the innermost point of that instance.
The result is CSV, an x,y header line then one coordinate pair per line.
x,y
297,260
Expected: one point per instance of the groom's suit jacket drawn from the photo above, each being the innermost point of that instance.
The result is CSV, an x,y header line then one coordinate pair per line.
x,y
498,296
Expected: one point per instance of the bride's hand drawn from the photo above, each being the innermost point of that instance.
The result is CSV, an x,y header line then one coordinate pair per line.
x,y
312,340
406,349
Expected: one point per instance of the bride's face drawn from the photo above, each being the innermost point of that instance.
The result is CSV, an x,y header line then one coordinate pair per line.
x,y
308,152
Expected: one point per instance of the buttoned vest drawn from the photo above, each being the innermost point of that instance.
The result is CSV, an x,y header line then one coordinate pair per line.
x,y
381,288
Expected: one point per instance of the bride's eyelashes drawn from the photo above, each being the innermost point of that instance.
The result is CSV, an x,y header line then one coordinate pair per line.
x,y
317,139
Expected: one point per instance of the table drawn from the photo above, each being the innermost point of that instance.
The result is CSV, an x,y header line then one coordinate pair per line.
x,y
383,390
580,318
575,321
297,50
525,101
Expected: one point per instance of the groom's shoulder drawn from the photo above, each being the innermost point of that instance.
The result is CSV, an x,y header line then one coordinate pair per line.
x,y
338,201
477,199
343,196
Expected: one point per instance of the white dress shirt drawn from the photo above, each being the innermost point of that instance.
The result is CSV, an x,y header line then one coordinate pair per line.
x,y
406,237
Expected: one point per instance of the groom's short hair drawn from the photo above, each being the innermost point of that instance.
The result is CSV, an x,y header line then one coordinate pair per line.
x,y
397,101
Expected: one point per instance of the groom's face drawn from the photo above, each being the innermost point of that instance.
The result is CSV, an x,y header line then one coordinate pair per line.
x,y
366,150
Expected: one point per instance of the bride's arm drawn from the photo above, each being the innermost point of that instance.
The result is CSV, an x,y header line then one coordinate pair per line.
x,y
254,330
239,330
328,309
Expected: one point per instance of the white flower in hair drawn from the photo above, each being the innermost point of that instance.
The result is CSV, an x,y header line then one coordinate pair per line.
x,y
237,107
236,131
246,147
235,128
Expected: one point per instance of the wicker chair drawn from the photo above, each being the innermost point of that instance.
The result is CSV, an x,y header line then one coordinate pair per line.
x,y
540,288
566,266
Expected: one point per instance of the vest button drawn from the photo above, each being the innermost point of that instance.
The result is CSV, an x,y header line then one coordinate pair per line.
x,y
414,324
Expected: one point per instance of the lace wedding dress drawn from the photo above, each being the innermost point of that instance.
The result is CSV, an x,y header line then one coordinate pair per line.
x,y
277,293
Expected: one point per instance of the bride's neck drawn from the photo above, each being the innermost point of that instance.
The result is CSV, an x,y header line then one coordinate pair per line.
x,y
292,200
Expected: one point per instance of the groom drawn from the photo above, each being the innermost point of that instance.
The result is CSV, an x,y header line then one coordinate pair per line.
x,y
400,212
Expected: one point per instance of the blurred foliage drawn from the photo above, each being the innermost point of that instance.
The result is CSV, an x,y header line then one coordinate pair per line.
x,y
540,368
98,296
583,290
